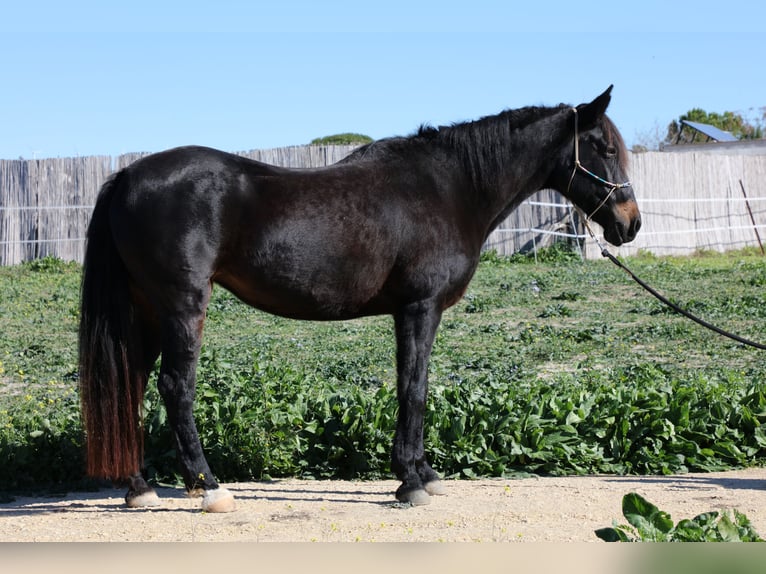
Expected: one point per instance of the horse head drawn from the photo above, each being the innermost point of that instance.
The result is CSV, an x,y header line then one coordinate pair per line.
x,y
591,171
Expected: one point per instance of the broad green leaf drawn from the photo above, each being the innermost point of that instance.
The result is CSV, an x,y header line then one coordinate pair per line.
x,y
688,531
707,520
573,418
633,504
728,530
747,532
645,516
612,535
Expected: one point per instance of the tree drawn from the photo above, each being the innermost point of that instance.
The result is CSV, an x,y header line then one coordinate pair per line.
x,y
342,139
731,122
649,140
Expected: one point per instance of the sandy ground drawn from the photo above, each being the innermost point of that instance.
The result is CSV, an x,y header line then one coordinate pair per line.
x,y
544,509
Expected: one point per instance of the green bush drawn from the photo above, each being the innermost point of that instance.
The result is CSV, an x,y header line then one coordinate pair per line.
x,y
275,421
342,139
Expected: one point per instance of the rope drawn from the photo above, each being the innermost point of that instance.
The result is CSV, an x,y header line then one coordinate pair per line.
x,y
678,309
605,253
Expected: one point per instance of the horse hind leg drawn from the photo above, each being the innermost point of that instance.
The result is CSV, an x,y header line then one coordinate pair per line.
x,y
140,494
181,342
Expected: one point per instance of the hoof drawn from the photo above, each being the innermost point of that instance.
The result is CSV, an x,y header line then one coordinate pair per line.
x,y
417,497
218,500
144,500
435,488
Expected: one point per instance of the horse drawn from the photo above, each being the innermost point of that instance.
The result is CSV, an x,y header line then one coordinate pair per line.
x,y
396,228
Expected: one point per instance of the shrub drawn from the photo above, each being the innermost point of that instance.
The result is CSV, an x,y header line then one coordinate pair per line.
x,y
342,139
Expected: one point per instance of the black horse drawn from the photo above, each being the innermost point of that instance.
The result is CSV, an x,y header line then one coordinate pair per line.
x,y
396,228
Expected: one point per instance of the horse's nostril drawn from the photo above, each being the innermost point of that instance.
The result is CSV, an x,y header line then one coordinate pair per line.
x,y
634,227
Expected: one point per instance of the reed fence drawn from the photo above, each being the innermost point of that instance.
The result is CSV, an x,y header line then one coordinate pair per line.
x,y
45,204
697,201
689,202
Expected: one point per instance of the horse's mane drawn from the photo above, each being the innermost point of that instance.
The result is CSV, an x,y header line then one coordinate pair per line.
x,y
614,138
483,145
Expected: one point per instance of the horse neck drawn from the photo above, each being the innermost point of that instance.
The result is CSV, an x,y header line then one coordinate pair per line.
x,y
509,167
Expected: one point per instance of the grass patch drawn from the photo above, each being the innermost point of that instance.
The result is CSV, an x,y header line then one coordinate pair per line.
x,y
558,367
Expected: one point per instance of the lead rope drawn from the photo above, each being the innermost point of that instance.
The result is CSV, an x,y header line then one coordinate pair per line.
x,y
605,253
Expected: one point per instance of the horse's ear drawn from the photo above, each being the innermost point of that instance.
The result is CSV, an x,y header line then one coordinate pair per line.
x,y
589,114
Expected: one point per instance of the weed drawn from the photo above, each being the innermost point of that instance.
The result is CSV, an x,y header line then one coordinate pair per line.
x,y
647,523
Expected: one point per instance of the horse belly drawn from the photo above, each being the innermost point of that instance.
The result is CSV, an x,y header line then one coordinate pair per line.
x,y
326,288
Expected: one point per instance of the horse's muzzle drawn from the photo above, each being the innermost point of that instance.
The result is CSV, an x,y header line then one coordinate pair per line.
x,y
626,224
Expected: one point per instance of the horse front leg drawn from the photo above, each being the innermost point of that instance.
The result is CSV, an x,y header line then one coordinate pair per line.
x,y
416,328
180,352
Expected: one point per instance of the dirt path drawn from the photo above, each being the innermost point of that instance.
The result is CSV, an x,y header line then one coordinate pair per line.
x,y
516,510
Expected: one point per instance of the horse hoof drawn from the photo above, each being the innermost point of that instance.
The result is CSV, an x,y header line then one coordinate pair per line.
x,y
144,500
218,500
435,488
417,497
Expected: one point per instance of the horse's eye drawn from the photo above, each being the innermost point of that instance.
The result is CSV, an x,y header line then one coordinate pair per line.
x,y
611,151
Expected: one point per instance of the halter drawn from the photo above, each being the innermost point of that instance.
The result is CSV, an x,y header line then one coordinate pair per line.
x,y
577,165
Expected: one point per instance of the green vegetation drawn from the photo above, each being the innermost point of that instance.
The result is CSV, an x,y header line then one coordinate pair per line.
x,y
647,523
342,139
559,367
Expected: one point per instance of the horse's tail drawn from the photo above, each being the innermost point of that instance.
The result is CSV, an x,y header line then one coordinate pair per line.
x,y
112,378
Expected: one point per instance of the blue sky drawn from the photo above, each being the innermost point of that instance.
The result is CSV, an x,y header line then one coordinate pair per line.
x,y
87,78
